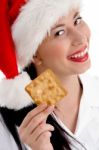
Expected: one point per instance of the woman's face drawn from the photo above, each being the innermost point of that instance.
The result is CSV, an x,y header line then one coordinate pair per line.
x,y
65,50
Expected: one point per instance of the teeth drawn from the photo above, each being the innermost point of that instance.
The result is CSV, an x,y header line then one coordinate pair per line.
x,y
80,55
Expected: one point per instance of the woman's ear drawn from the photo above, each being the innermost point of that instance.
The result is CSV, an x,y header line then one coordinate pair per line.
x,y
37,60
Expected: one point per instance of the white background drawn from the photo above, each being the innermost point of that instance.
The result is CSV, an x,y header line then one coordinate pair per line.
x,y
90,14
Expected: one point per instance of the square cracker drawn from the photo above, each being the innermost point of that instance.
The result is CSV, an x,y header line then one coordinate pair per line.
x,y
46,88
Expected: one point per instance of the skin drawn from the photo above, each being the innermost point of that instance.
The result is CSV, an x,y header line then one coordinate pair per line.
x,y
34,131
53,53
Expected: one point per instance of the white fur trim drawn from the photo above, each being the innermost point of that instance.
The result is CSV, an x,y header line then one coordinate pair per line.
x,y
13,94
36,18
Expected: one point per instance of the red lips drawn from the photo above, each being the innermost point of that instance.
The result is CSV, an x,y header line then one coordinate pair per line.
x,y
77,57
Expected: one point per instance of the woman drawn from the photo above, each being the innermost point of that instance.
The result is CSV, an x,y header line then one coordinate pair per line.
x,y
47,34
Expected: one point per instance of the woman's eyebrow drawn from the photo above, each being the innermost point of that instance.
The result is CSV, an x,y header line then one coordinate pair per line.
x,y
57,26
75,15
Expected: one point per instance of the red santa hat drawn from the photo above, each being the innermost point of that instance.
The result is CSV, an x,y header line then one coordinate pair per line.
x,y
8,13
23,26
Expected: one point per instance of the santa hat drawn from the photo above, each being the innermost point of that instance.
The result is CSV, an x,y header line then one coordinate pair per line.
x,y
27,22
23,26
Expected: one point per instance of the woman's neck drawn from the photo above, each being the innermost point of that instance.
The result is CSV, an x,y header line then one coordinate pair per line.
x,y
68,108
74,89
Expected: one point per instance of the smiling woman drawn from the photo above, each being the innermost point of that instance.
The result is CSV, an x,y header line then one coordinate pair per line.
x,y
37,35
68,45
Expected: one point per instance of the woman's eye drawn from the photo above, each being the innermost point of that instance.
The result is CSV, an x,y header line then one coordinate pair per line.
x,y
78,21
59,33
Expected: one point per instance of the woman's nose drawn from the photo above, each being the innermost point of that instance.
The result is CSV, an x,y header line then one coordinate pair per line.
x,y
78,38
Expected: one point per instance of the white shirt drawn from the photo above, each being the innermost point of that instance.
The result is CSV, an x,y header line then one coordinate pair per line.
x,y
87,129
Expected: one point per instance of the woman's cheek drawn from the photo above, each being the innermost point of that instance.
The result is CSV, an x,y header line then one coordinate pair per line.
x,y
87,31
58,50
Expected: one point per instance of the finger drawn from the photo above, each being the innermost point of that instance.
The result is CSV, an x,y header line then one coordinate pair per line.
x,y
32,113
41,129
44,137
38,119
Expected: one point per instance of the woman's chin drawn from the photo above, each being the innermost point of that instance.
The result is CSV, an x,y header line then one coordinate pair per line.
x,y
84,68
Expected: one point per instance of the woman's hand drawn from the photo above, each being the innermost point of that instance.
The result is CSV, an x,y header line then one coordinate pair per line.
x,y
34,131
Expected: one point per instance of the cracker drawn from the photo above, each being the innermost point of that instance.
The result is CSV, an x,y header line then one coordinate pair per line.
x,y
46,88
